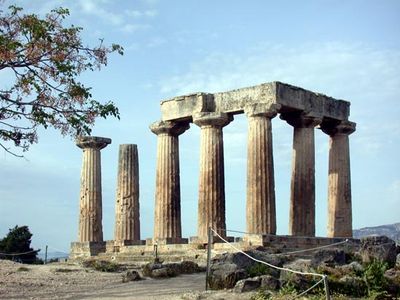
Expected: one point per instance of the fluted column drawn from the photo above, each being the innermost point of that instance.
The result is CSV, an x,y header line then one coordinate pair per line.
x,y
167,218
339,183
127,218
211,210
302,196
90,217
260,210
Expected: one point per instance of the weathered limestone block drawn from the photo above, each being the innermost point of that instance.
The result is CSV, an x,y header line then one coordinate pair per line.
x,y
167,216
127,219
302,198
339,182
289,97
260,211
211,211
90,216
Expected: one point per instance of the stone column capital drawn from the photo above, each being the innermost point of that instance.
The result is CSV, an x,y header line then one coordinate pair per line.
x,y
342,128
214,119
268,110
301,120
168,127
92,142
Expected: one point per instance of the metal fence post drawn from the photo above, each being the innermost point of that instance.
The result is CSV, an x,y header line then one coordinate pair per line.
x,y
45,255
328,297
209,245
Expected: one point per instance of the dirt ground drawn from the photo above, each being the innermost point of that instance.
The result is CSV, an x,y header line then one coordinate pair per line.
x,y
71,281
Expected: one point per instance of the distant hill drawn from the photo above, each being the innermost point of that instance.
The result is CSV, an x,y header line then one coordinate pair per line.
x,y
53,255
392,231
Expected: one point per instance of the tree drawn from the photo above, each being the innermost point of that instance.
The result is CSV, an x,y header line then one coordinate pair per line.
x,y
18,242
43,60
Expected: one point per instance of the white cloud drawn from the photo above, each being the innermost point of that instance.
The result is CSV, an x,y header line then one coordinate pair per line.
x,y
141,13
150,13
150,2
340,67
130,28
96,8
156,42
134,13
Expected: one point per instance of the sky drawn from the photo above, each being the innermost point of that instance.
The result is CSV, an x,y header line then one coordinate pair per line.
x,y
347,49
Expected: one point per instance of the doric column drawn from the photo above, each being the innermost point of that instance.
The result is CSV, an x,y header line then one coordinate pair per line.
x,y
260,211
302,196
167,218
211,211
127,221
339,183
90,217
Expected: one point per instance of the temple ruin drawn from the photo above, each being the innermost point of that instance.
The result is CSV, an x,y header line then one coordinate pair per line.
x,y
304,110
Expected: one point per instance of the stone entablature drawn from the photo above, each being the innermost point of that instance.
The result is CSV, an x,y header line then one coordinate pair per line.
x,y
290,98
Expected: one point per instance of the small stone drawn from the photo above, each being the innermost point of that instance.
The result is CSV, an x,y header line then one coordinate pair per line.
x,y
329,257
160,273
269,282
131,276
246,285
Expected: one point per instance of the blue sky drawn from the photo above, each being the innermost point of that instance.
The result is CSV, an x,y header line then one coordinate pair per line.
x,y
345,49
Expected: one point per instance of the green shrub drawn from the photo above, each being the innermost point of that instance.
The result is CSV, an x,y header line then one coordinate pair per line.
x,y
348,285
18,240
374,276
63,270
257,269
102,265
23,269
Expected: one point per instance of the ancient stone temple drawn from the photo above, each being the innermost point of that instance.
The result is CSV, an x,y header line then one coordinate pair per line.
x,y
303,110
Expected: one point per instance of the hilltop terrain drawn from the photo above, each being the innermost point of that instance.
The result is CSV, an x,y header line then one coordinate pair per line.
x,y
392,231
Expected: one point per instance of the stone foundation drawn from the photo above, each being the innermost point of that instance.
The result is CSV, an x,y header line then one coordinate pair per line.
x,y
195,250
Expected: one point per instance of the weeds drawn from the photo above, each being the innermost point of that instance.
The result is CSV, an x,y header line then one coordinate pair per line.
x,y
102,265
257,270
374,276
63,270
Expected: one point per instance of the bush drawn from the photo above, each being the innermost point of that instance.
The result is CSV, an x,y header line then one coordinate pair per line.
x,y
63,270
374,276
257,269
102,265
18,240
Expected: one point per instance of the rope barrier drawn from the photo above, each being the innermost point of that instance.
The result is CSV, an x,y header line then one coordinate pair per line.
x,y
263,262
15,254
291,252
312,249
322,276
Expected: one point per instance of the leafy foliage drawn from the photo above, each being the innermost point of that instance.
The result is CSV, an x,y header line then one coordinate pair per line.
x,y
257,269
374,276
43,59
18,240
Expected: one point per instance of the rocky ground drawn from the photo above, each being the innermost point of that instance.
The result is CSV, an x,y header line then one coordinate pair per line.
x,y
373,270
72,281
